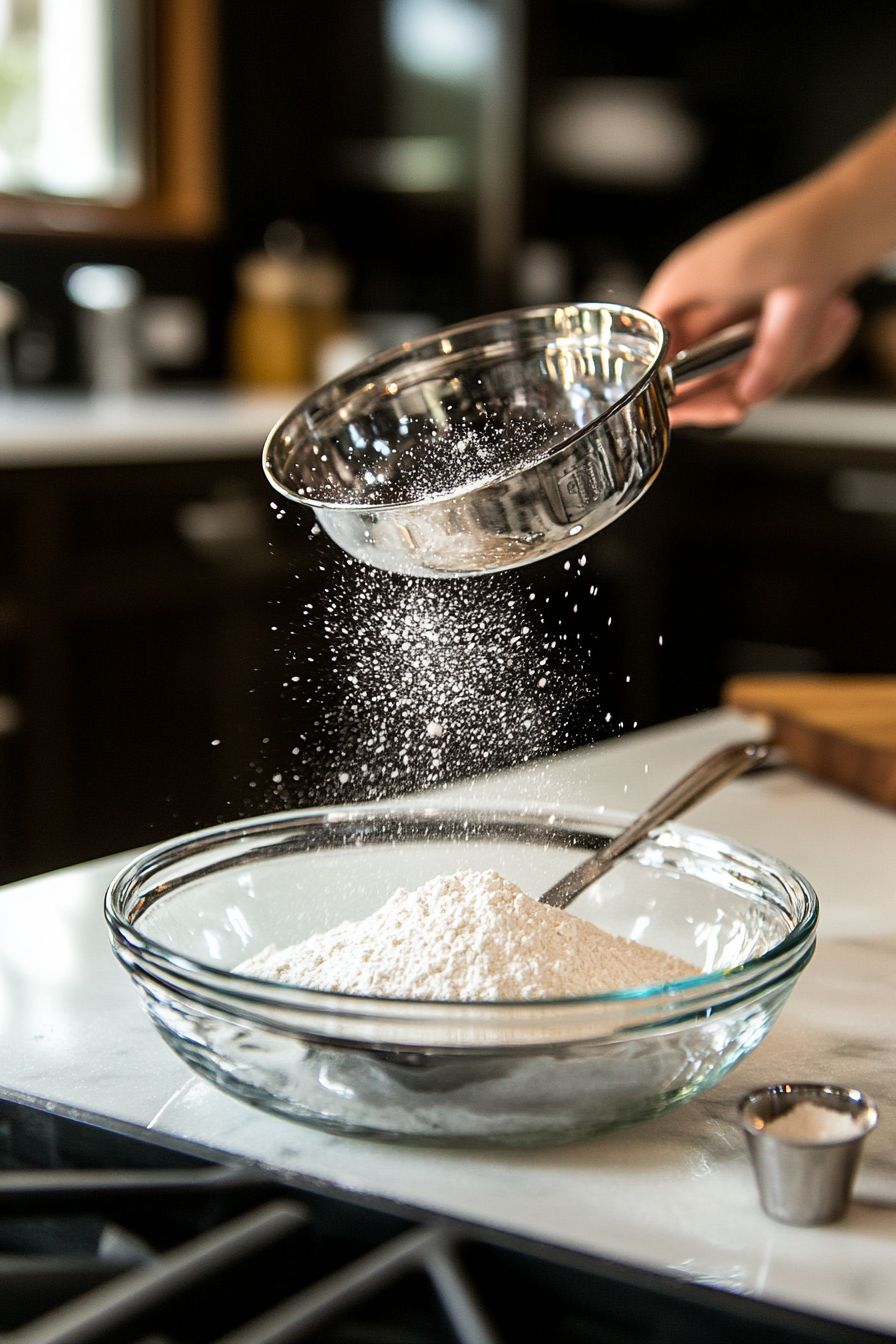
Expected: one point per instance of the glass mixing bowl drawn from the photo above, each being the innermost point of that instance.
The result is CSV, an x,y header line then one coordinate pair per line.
x,y
182,915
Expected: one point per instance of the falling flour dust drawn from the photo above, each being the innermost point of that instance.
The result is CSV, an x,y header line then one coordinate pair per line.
x,y
474,936
401,684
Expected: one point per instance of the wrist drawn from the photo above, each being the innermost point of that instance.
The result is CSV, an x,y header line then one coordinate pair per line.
x,y
826,253
852,205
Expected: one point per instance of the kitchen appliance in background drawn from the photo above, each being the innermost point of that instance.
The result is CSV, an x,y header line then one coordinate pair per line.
x,y
123,335
107,297
107,1234
432,185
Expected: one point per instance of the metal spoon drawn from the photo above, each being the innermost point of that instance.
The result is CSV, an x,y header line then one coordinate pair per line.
x,y
715,770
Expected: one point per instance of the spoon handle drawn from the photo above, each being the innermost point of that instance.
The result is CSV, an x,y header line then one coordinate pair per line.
x,y
696,784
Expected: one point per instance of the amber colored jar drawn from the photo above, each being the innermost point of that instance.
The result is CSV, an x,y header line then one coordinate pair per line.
x,y
285,308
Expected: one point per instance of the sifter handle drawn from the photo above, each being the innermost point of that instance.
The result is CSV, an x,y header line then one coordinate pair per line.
x,y
724,348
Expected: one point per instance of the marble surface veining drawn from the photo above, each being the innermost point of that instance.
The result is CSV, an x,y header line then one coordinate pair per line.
x,y
675,1193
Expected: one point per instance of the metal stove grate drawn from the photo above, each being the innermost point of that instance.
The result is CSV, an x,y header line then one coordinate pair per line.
x,y
106,1238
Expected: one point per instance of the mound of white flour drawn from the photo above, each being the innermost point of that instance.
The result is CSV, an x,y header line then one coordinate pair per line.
x,y
472,936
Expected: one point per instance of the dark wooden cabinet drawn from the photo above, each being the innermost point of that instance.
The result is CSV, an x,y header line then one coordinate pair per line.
x,y
143,691
135,613
153,696
743,558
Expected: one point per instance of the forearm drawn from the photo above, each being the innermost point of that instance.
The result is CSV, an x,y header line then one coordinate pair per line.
x,y
791,260
826,232
851,205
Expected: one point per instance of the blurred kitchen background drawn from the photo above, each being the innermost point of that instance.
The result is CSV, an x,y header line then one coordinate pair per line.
x,y
205,207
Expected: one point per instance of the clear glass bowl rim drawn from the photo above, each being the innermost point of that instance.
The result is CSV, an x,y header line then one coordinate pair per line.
x,y
247,989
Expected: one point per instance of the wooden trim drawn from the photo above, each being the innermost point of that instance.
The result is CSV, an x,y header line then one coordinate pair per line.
x,y
183,198
187,127
840,728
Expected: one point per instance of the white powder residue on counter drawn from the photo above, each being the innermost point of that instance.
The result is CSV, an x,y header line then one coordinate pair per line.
x,y
474,936
807,1122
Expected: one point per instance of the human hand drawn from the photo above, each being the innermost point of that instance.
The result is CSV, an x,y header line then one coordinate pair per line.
x,y
774,261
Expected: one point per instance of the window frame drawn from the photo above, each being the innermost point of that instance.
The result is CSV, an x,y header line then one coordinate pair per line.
x,y
182,196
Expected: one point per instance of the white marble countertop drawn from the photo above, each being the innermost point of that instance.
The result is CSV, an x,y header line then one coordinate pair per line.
x,y
53,429
71,428
823,422
674,1194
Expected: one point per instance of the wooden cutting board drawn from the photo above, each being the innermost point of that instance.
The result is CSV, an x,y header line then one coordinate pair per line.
x,y
842,729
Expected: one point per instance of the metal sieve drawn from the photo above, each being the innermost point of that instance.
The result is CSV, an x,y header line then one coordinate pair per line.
x,y
490,444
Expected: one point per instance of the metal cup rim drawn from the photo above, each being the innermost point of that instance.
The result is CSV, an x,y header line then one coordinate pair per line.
x,y
805,1091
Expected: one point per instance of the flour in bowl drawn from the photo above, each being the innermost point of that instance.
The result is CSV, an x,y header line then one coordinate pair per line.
x,y
474,936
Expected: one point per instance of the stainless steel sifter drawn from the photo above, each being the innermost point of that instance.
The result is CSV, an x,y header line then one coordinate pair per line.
x,y
490,444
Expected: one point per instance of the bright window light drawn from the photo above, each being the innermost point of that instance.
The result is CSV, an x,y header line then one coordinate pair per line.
x,y
68,115
453,41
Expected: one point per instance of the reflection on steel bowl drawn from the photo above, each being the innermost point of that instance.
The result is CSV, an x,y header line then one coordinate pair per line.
x,y
509,1072
493,443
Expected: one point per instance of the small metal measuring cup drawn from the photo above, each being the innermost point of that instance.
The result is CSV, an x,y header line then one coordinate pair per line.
x,y
805,1182
494,443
